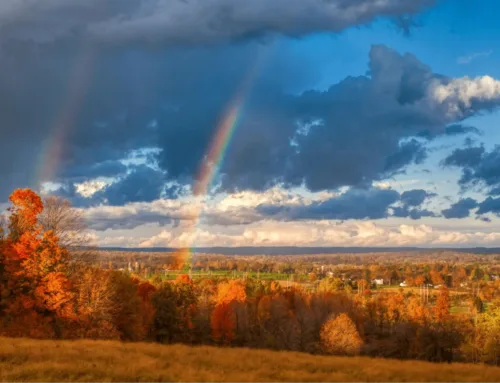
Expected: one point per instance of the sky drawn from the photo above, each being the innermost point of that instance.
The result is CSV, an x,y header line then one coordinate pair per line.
x,y
184,123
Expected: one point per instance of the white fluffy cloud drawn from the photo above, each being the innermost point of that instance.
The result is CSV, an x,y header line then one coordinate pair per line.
x,y
311,233
233,220
460,96
230,209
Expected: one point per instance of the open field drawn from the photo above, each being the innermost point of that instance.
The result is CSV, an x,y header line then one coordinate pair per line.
x,y
35,360
265,276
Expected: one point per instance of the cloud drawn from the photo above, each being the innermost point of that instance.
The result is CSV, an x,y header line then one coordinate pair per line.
x,y
466,157
473,56
232,209
489,205
410,201
313,233
495,191
409,152
462,97
415,197
479,167
405,212
401,97
458,129
460,209
133,215
355,204
109,168
142,184
188,22
367,126
451,130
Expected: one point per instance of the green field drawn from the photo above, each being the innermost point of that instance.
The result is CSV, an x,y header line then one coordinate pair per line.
x,y
265,276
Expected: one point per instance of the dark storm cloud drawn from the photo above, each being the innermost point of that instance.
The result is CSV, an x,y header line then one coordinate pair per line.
x,y
364,126
407,153
189,21
466,157
354,204
457,129
410,201
362,131
451,130
489,205
479,167
117,98
100,169
142,184
495,191
415,197
460,209
405,212
357,204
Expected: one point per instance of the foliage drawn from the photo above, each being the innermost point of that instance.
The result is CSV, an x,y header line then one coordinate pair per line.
x,y
44,294
339,336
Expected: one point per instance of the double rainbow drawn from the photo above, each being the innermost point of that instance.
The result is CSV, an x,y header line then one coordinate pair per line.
x,y
52,151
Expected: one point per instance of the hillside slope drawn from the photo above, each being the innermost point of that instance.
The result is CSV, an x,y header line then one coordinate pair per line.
x,y
33,360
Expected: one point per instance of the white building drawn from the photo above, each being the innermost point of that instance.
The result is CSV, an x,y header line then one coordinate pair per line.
x,y
378,281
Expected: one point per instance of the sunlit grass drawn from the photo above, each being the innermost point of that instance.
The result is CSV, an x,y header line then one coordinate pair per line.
x,y
85,360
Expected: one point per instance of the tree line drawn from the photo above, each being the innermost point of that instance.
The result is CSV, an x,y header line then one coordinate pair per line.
x,y
45,293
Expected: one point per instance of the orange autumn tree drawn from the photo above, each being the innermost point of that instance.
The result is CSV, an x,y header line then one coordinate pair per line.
x,y
442,307
224,320
36,293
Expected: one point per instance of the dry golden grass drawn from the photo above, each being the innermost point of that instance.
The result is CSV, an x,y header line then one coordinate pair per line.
x,y
33,360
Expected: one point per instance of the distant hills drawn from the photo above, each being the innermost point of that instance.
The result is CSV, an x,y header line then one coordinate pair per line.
x,y
300,250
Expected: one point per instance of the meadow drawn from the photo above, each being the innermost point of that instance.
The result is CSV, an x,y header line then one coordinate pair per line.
x,y
87,360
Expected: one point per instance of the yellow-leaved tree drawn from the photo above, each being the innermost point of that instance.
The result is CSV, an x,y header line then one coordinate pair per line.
x,y
339,336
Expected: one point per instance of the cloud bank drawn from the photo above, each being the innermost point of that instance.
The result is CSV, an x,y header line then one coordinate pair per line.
x,y
188,21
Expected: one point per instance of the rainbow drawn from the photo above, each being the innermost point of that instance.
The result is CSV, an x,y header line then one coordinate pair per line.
x,y
217,150
53,148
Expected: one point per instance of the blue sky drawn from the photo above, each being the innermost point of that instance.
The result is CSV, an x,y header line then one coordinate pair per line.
x,y
116,107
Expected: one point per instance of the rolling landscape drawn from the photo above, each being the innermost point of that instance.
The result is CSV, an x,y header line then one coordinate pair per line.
x,y
426,305
260,190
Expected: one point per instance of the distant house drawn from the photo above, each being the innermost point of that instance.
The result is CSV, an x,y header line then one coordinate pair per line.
x,y
330,273
494,277
437,286
378,281
463,284
403,284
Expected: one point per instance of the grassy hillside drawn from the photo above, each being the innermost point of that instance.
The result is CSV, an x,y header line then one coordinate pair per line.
x,y
32,360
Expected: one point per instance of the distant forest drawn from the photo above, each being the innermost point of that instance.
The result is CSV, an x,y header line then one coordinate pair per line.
x,y
301,250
